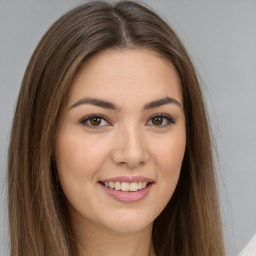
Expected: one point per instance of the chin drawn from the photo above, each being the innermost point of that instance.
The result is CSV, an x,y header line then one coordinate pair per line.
x,y
129,227
128,223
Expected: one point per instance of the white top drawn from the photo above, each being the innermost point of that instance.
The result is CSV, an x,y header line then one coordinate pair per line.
x,y
250,248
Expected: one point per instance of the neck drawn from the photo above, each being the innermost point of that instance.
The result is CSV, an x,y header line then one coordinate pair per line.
x,y
100,241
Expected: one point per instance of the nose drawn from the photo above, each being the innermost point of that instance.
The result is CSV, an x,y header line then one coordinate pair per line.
x,y
130,148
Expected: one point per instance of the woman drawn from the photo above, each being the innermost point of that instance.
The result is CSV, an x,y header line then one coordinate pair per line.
x,y
110,151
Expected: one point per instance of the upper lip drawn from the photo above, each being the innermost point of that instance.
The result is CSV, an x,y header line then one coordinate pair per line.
x,y
128,179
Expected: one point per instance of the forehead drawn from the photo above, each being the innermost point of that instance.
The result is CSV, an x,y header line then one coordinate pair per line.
x,y
117,74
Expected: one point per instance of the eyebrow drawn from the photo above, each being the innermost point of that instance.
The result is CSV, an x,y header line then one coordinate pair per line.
x,y
96,102
108,105
161,102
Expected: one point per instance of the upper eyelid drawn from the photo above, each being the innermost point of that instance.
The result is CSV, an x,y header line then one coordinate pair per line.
x,y
94,115
162,115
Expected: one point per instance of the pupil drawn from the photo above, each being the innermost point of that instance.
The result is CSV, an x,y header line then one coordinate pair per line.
x,y
95,121
157,120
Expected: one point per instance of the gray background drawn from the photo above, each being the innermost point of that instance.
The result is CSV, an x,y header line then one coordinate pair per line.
x,y
221,39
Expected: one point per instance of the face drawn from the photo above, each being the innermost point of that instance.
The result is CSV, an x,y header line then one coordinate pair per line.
x,y
122,139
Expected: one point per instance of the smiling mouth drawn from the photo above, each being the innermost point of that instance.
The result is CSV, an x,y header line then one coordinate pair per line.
x,y
126,186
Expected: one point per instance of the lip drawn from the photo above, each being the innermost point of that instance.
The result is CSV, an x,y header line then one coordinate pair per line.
x,y
128,179
127,196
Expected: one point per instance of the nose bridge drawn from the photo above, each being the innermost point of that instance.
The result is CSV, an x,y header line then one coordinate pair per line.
x,y
130,146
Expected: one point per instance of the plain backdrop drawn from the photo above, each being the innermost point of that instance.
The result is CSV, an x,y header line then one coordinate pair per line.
x,y
220,36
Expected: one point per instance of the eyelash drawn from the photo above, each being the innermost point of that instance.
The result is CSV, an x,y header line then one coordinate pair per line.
x,y
85,121
168,118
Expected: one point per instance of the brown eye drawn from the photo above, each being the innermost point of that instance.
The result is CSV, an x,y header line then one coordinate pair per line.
x,y
95,121
161,121
157,120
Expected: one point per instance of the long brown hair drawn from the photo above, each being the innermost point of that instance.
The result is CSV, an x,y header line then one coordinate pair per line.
x,y
39,225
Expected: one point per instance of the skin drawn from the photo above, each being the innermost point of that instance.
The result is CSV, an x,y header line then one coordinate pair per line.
x,y
128,141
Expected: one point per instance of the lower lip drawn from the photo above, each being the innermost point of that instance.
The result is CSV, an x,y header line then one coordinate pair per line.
x,y
129,196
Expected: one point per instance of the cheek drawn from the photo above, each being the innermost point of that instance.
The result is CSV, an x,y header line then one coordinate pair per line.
x,y
78,155
69,156
168,157
169,154
78,162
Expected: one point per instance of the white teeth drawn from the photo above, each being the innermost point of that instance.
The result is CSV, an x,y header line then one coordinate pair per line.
x,y
111,184
126,186
134,186
117,186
